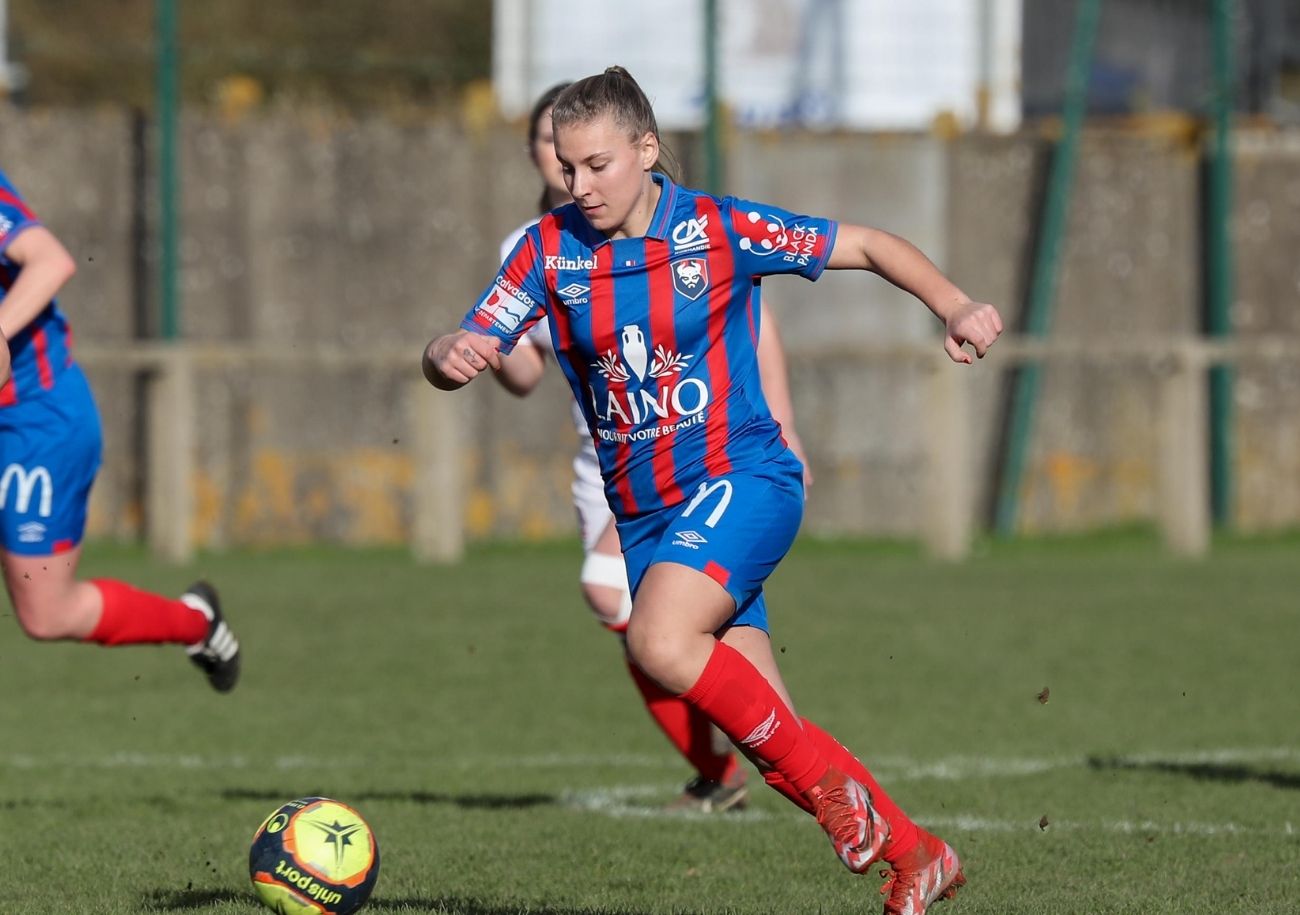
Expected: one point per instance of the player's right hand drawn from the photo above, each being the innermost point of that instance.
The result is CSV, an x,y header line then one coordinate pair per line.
x,y
454,360
5,368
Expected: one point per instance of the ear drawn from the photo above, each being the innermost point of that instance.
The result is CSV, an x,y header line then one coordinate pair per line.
x,y
649,151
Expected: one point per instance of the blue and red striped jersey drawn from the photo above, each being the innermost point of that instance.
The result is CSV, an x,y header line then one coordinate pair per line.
x,y
658,335
43,349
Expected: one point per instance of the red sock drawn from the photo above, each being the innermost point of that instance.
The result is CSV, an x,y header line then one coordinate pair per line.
x,y
687,728
902,831
777,781
735,696
132,616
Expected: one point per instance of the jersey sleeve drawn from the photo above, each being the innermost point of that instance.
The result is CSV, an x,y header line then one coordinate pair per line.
x,y
768,240
14,215
515,300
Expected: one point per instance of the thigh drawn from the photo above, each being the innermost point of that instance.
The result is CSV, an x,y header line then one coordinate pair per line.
x,y
51,451
735,529
595,521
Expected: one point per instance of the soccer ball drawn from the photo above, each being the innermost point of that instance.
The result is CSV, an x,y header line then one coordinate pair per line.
x,y
314,855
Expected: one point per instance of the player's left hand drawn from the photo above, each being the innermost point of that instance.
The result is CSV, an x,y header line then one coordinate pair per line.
x,y
974,323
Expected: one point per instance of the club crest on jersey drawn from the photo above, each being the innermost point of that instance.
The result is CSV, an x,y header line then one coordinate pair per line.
x,y
691,277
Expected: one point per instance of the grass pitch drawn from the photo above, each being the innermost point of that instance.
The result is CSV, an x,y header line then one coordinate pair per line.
x,y
488,731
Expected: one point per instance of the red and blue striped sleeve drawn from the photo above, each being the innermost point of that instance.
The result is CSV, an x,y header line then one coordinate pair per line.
x,y
768,240
516,299
14,214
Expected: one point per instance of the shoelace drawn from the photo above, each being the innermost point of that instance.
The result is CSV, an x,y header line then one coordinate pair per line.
x,y
835,814
891,878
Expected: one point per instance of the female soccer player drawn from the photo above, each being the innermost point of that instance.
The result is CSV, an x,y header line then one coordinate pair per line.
x,y
50,450
719,781
706,494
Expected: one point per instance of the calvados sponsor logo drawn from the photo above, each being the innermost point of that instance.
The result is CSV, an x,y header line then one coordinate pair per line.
x,y
627,403
5,225
691,234
504,308
307,884
560,262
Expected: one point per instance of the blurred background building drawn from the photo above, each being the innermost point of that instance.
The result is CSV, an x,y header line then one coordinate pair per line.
x,y
275,204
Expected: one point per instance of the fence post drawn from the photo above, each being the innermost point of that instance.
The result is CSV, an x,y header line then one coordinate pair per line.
x,y
169,486
437,526
1184,473
948,496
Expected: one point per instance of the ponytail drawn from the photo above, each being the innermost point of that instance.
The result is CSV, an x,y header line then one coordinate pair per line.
x,y
616,94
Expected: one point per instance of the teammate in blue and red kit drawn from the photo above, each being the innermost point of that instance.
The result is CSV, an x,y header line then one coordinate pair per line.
x,y
707,497
50,446
719,783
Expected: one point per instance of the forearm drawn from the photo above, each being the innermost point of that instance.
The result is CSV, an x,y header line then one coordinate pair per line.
x,y
773,372
36,285
901,263
521,371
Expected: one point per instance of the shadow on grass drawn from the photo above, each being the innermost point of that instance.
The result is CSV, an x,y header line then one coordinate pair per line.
x,y
467,801
187,900
1210,772
192,900
453,905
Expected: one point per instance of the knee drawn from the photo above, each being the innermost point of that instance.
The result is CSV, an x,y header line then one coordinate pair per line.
x,y
47,614
655,650
41,626
605,588
611,606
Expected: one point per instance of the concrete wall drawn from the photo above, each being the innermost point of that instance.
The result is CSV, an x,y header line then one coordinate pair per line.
x,y
301,229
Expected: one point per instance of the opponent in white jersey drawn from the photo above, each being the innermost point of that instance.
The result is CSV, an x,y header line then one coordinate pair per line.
x,y
719,783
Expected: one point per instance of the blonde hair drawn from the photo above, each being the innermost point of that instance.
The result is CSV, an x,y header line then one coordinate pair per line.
x,y
616,94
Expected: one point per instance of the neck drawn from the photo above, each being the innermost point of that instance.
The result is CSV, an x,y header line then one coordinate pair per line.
x,y
638,221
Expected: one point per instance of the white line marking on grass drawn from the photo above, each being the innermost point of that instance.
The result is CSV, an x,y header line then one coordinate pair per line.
x,y
961,823
622,801
887,768
958,768
131,760
630,801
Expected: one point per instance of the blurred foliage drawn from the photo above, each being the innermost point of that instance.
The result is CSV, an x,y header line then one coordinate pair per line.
x,y
353,55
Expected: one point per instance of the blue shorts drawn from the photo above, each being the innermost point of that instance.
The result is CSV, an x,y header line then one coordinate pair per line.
x,y
50,449
734,528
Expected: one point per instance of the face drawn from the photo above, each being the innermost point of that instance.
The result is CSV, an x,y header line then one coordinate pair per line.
x,y
543,153
608,174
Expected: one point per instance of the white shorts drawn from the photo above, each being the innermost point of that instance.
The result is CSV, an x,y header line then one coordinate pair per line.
x,y
589,500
